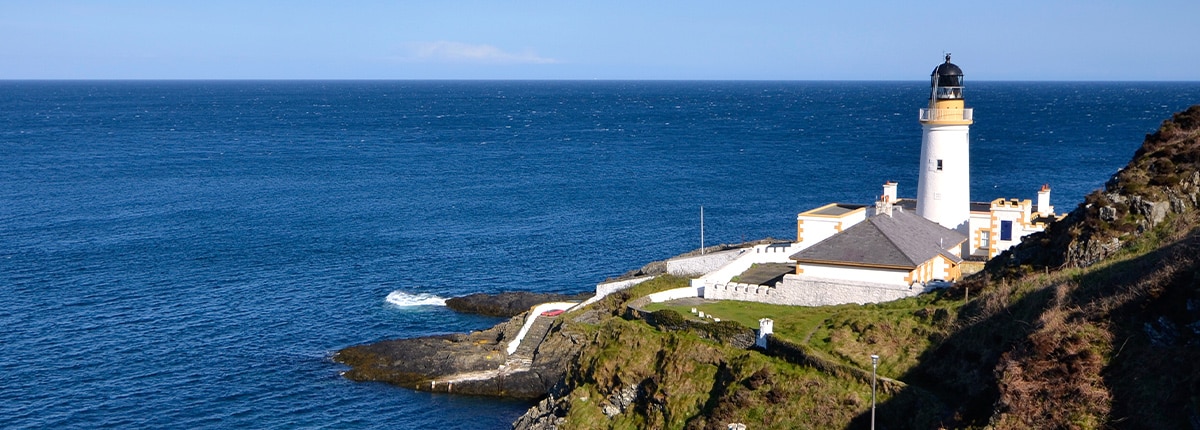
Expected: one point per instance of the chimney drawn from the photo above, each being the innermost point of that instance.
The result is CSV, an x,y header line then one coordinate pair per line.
x,y
889,190
883,205
1043,201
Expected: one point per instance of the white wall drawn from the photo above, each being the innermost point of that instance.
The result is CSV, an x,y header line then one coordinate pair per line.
x,y
817,229
1019,216
701,264
863,274
978,221
677,293
605,288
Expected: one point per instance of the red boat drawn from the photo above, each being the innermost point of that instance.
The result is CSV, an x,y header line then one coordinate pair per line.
x,y
552,313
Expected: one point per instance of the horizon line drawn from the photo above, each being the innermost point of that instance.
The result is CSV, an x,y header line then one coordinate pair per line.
x,y
560,80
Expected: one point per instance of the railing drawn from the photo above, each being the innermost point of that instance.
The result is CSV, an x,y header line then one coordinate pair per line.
x,y
967,114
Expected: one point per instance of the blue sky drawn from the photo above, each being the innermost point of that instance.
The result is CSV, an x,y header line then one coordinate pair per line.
x,y
445,39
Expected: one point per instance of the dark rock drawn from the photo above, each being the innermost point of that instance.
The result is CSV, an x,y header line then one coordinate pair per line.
x,y
1108,213
619,401
418,361
507,304
548,414
1161,332
474,364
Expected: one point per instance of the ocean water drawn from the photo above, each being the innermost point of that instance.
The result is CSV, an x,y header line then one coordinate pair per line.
x,y
190,254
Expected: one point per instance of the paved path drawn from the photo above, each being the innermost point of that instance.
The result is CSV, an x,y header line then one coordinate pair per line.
x,y
533,338
534,315
521,350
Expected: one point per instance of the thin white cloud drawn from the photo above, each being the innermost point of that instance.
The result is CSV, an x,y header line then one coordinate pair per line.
x,y
445,51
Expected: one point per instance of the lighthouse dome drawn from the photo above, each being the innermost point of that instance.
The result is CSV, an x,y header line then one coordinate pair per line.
x,y
947,69
947,74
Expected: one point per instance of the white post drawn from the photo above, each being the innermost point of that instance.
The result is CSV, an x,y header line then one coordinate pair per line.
x,y
765,327
874,365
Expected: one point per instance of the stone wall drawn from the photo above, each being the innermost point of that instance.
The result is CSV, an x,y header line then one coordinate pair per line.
x,y
743,292
799,290
701,264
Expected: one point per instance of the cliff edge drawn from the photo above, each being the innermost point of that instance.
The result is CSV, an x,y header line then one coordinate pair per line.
x,y
1160,183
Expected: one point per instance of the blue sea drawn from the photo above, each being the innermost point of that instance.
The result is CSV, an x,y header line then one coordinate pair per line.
x,y
189,254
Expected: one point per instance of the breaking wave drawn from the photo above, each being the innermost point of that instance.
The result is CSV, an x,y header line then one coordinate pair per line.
x,y
403,299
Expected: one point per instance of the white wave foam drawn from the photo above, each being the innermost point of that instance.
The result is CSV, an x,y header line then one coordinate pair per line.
x,y
403,299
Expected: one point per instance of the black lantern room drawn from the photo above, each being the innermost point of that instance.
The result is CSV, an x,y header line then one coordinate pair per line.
x,y
947,81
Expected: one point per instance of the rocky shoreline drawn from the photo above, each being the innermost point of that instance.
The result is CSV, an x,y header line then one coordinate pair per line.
x,y
476,363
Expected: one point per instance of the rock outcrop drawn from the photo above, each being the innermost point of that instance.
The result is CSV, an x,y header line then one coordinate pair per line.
x,y
509,304
1161,182
476,363
548,414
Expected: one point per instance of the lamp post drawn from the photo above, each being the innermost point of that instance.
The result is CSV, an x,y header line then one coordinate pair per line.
x,y
874,366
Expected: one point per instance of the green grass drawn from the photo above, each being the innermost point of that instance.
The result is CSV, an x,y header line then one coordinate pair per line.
x,y
688,382
898,331
659,283
790,321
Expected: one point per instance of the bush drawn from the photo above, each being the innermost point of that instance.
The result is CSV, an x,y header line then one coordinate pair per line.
x,y
667,320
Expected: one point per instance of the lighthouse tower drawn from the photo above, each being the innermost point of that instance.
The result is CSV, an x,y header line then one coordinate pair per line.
x,y
944,184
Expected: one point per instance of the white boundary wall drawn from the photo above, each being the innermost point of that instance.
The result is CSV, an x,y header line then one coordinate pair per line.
x,y
699,264
603,289
677,293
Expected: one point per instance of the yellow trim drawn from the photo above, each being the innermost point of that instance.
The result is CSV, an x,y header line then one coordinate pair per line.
x,y
948,112
811,212
993,233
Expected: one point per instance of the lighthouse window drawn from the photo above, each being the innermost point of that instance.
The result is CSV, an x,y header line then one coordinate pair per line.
x,y
949,93
1005,230
939,165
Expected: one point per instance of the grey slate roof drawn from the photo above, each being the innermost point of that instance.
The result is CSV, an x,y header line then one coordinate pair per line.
x,y
903,239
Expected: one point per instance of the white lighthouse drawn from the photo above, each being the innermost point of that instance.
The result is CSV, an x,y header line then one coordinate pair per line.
x,y
944,185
